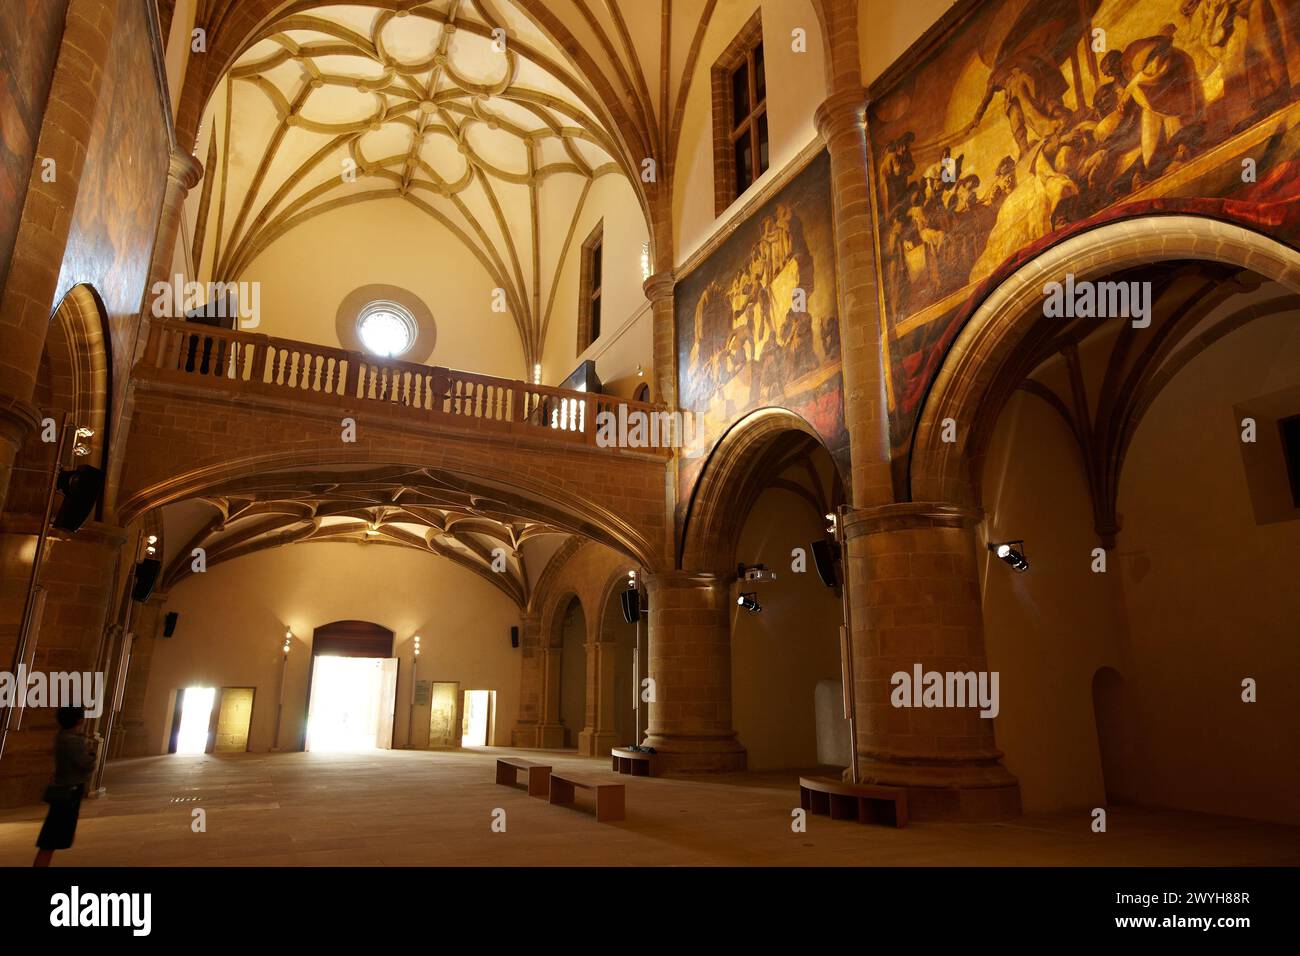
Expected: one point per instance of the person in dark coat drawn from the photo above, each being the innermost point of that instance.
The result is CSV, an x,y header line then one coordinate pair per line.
x,y
74,760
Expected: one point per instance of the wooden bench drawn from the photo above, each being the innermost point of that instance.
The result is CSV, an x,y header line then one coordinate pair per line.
x,y
853,801
637,763
609,796
539,775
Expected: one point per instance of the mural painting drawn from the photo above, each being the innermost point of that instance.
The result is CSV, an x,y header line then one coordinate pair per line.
x,y
757,324
1028,120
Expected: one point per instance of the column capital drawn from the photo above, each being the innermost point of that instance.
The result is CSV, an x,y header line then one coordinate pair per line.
x,y
905,515
185,169
659,286
18,419
840,111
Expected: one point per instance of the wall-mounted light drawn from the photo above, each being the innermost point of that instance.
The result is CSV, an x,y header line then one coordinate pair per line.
x,y
832,524
1012,552
288,642
749,601
640,372
417,645
537,374
645,260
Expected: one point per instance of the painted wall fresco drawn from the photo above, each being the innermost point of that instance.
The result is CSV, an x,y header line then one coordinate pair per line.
x,y
30,32
113,226
1034,119
743,340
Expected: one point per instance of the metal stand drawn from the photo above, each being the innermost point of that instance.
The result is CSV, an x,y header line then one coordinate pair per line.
x,y
846,643
34,583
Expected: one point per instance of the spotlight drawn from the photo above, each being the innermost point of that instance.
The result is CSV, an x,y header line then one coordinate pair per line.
x,y
1012,552
417,645
153,539
832,523
85,432
749,601
752,573
288,642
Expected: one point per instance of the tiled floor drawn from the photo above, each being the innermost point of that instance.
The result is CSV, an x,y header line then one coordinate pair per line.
x,y
396,808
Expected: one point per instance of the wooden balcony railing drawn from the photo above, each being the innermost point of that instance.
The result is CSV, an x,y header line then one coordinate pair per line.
x,y
251,363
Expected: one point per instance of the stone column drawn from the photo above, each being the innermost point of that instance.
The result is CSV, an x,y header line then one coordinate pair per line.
x,y
550,732
183,174
598,735
78,574
530,682
914,587
842,123
690,665
27,301
659,290
129,736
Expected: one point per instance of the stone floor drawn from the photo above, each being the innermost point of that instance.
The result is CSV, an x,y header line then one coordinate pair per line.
x,y
399,808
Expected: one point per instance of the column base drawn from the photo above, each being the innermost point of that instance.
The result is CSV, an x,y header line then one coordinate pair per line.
x,y
550,736
977,790
681,754
592,743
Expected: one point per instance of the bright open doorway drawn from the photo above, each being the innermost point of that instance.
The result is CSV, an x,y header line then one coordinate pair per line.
x,y
478,717
196,717
351,705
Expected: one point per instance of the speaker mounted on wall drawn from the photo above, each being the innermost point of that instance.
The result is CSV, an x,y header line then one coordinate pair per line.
x,y
81,487
631,601
514,636
169,623
824,557
146,576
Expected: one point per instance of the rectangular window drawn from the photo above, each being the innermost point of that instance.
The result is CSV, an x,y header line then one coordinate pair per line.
x,y
590,282
740,147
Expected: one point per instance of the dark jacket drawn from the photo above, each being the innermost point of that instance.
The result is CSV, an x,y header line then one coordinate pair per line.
x,y
74,759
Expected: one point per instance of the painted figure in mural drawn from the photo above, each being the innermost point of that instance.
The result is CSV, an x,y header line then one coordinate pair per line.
x,y
1034,90
769,338
1247,45
1164,84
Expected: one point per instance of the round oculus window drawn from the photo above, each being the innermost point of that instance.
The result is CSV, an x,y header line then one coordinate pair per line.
x,y
386,329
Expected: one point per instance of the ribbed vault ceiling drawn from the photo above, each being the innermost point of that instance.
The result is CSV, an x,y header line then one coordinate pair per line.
x,y
495,140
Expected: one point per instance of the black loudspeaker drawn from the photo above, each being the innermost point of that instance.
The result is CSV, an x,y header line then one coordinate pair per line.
x,y
81,487
514,637
824,557
169,623
146,575
631,599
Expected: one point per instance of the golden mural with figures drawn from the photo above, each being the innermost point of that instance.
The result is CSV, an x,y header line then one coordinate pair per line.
x,y
1029,120
757,323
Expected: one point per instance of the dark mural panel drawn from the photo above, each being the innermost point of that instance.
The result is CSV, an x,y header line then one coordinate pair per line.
x,y
1034,119
30,31
111,241
757,324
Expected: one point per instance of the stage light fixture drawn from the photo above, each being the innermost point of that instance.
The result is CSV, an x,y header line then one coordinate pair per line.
x,y
749,601
1012,552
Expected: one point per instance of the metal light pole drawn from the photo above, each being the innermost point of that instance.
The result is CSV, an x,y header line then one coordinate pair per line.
x,y
279,704
415,674
846,638
33,602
